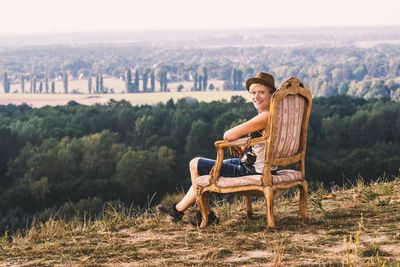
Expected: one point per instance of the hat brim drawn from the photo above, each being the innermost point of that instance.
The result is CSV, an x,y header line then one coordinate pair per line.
x,y
250,81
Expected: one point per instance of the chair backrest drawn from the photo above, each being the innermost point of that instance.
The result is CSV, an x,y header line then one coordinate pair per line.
x,y
287,122
289,118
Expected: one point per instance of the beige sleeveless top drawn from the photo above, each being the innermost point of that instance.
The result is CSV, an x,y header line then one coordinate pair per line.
x,y
259,164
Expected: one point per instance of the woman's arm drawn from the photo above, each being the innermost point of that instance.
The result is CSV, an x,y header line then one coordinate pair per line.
x,y
257,123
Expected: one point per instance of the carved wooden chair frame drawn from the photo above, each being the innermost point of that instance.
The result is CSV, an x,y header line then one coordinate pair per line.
x,y
267,186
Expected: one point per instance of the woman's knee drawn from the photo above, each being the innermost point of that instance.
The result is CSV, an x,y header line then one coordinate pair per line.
x,y
193,163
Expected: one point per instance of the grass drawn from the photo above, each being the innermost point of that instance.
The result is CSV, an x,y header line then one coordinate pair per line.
x,y
350,229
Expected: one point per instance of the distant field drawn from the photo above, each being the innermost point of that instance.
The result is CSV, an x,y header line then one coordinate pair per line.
x,y
80,86
117,85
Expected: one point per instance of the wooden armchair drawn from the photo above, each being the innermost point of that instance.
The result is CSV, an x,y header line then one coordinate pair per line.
x,y
285,141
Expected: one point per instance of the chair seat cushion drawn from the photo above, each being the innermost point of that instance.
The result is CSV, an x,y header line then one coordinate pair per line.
x,y
282,176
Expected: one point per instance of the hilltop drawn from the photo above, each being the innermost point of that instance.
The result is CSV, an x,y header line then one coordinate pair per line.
x,y
349,226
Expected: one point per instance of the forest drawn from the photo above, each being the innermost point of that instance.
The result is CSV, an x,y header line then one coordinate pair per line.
x,y
69,160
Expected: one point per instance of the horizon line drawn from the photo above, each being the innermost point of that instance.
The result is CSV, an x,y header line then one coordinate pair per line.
x,y
194,30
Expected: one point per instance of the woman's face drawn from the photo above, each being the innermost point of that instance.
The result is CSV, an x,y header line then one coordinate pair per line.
x,y
261,96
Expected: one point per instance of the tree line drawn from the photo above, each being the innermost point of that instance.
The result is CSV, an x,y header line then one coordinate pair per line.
x,y
73,158
348,70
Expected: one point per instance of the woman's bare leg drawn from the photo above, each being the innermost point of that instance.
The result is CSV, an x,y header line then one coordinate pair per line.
x,y
190,197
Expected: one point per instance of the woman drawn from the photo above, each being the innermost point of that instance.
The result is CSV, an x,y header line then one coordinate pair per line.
x,y
261,88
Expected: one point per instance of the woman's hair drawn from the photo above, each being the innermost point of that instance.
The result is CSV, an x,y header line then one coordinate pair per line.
x,y
256,84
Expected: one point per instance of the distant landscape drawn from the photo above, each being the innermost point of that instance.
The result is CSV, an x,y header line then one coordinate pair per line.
x,y
362,62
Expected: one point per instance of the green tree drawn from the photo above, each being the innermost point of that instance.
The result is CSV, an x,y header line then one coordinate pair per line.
x,y
128,80
145,80
97,84
6,83
239,80
10,146
22,84
38,188
234,79
40,87
200,80
195,78
90,84
145,128
101,84
198,142
133,172
359,72
343,88
163,81
101,152
205,78
180,88
65,82
53,87
32,88
152,81
34,84
46,84
142,171
136,81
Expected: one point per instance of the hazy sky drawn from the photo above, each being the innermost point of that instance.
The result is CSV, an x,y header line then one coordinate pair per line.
x,y
61,16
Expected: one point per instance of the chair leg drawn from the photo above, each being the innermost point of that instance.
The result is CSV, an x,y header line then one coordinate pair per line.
x,y
303,200
202,202
249,208
269,201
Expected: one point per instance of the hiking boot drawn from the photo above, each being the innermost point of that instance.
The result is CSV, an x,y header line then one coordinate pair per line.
x,y
195,219
171,212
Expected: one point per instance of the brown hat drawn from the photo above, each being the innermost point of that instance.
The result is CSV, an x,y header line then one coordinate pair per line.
x,y
263,78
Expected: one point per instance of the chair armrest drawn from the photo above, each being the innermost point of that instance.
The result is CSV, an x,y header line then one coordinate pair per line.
x,y
221,144
237,142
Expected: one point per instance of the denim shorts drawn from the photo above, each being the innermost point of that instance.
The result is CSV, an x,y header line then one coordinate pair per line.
x,y
230,167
